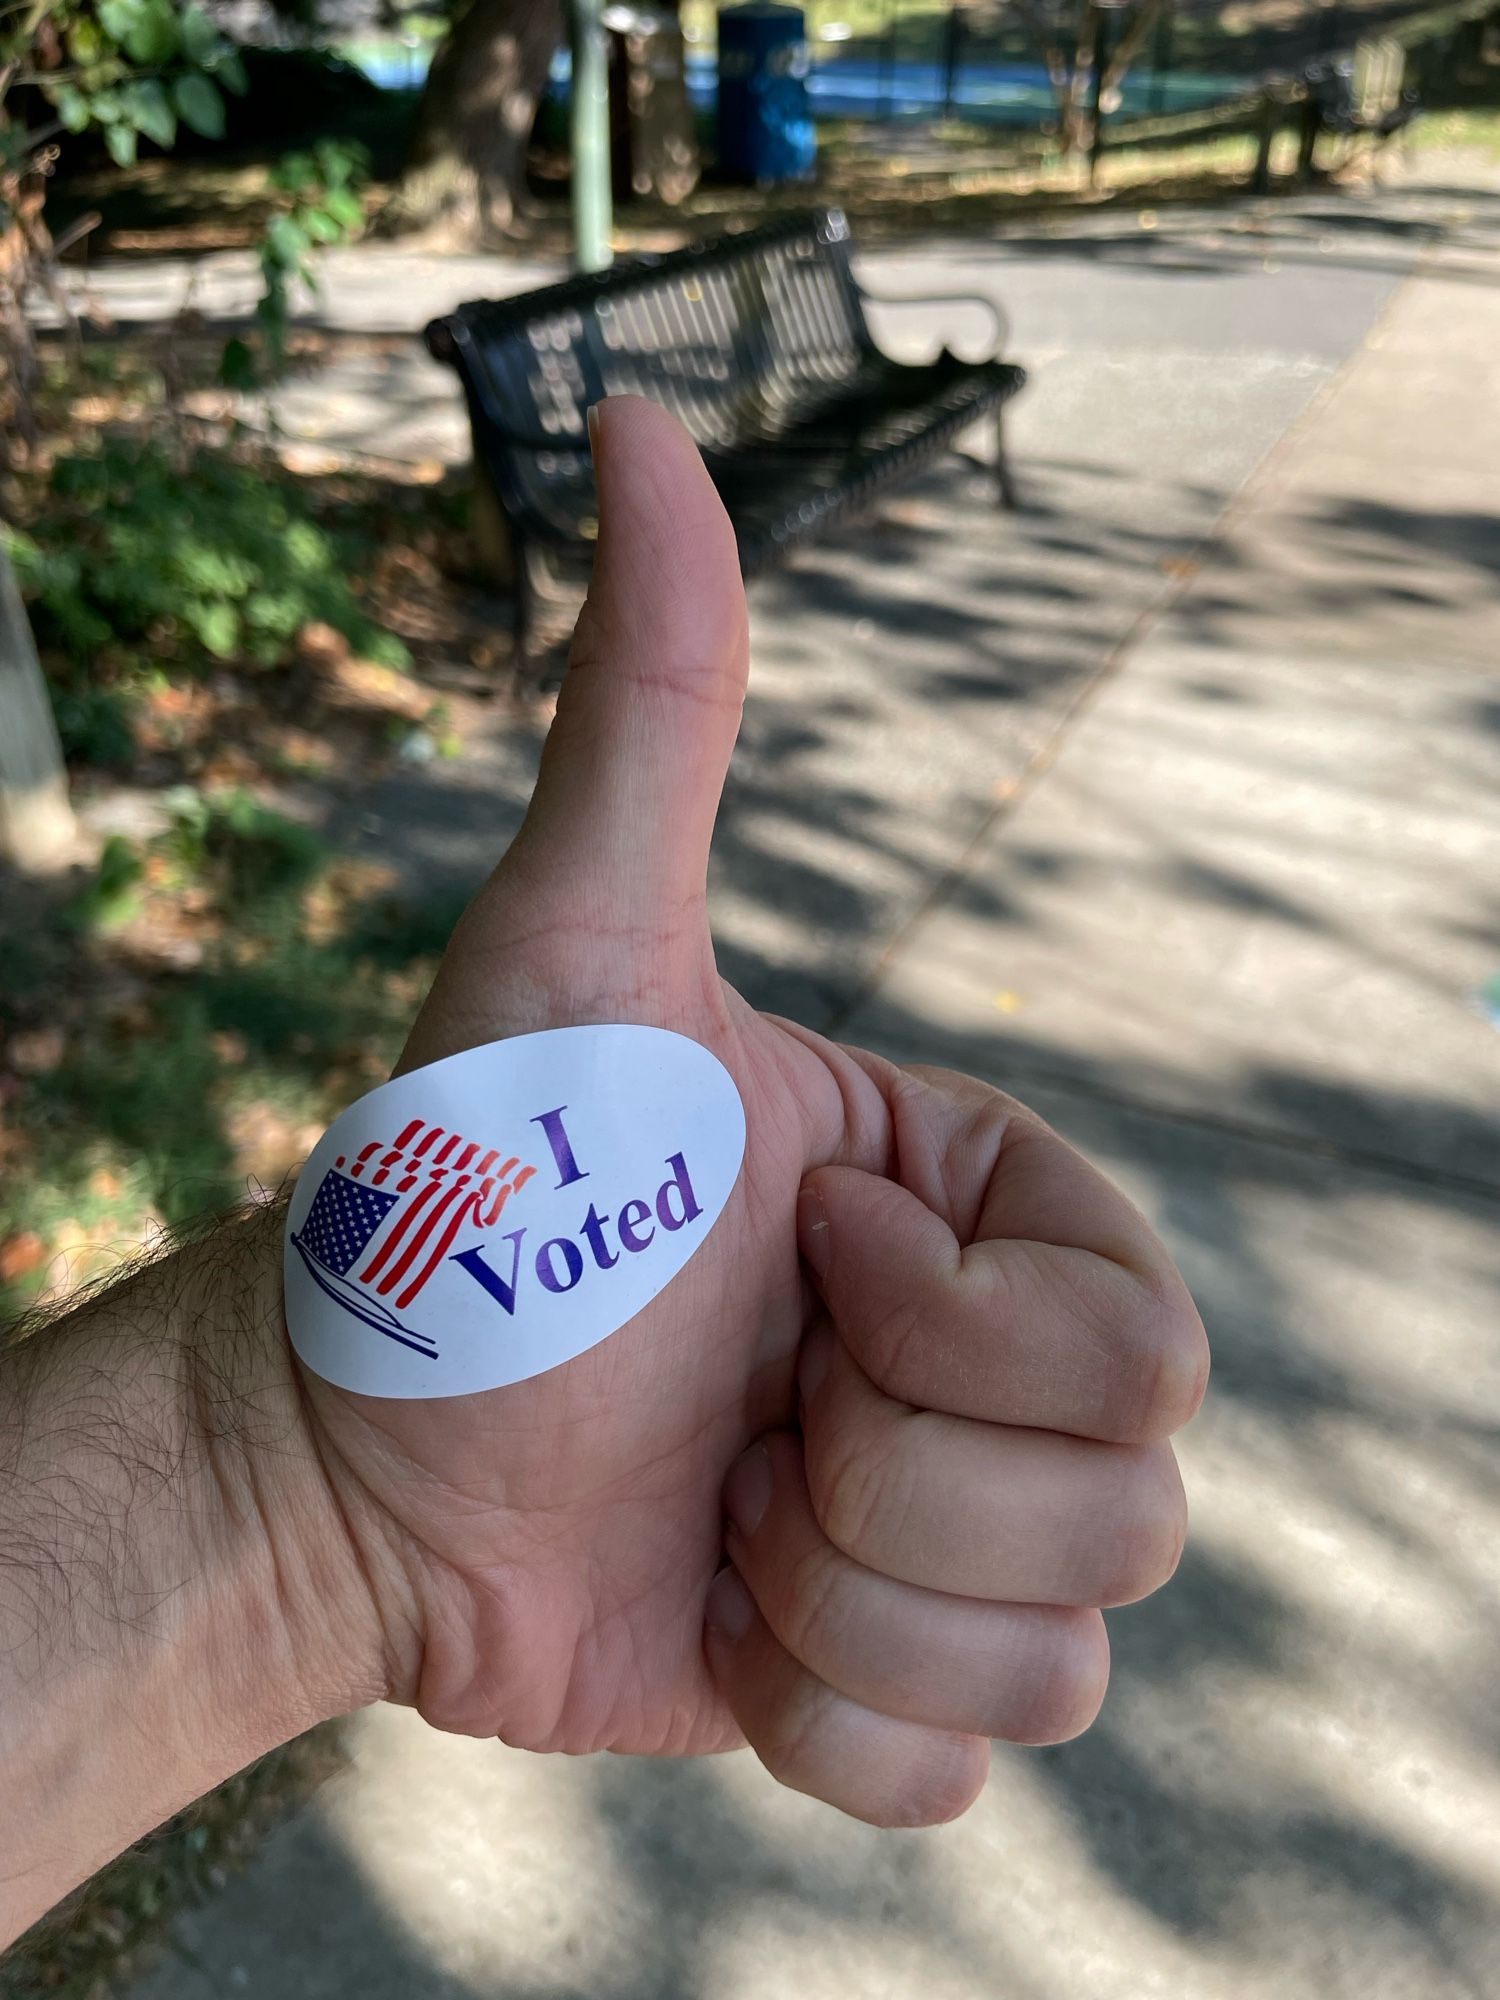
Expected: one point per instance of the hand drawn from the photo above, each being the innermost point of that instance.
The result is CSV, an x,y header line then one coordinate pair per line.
x,y
992,1356
205,1549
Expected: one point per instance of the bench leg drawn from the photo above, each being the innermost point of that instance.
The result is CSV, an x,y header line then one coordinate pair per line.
x,y
547,605
1005,483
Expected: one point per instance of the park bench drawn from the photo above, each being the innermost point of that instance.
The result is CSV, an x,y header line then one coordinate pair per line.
x,y
758,342
1332,105
1334,97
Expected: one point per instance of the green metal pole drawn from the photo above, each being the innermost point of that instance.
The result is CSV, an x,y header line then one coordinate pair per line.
x,y
592,204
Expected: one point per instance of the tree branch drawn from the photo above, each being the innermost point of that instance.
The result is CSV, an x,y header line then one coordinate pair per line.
x,y
1051,53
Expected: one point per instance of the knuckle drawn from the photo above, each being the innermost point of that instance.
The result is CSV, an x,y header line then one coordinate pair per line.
x,y
851,1482
1068,1690
789,1746
893,1350
814,1608
1148,1528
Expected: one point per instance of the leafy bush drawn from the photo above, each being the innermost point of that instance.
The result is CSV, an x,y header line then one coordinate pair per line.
x,y
95,724
184,558
319,193
136,69
248,849
112,898
244,852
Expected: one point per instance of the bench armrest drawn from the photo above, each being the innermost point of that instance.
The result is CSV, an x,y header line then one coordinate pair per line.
x,y
446,342
999,319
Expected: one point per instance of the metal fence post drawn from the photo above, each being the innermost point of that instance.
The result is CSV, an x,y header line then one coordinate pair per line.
x,y
592,201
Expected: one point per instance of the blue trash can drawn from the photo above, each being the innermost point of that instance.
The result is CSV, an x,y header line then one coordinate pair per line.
x,y
765,130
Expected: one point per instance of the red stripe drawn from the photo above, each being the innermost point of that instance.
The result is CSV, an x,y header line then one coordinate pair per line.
x,y
407,1133
413,1249
441,1155
404,1221
502,1195
435,1133
444,1243
467,1209
373,1147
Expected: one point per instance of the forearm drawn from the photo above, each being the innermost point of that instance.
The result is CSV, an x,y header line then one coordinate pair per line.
x,y
179,1590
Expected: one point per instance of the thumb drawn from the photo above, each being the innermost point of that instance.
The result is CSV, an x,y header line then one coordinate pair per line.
x,y
649,710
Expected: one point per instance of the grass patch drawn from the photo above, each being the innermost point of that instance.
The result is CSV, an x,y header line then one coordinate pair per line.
x,y
172,1053
142,558
143,1084
1466,131
194,599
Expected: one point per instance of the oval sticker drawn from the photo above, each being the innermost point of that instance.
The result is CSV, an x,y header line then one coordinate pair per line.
x,y
479,1221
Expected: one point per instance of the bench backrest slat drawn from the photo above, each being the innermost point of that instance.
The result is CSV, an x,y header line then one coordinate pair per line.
x,y
733,338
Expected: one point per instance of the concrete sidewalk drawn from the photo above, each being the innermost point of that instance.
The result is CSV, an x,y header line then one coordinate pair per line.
x,y
1174,806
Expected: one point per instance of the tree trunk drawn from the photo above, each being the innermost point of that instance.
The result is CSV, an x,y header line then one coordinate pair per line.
x,y
1129,46
36,821
1078,133
1052,54
467,169
23,246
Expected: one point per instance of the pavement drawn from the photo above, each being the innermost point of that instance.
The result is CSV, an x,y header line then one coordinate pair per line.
x,y
1171,803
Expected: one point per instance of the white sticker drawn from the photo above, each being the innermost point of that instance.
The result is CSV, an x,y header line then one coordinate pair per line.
x,y
479,1221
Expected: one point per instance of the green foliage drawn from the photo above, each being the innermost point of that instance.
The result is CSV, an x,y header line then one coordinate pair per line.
x,y
112,899
129,68
240,845
96,724
139,555
199,106
320,191
275,1003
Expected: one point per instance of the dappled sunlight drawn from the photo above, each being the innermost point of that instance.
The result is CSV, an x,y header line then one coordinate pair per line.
x,y
1167,802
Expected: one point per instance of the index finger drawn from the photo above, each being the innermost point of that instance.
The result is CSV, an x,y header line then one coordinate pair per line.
x,y
996,1274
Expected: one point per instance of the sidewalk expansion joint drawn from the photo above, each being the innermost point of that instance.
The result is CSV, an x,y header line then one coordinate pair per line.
x,y
1176,587
1394,1166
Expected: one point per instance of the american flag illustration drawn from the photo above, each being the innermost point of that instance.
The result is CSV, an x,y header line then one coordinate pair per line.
x,y
380,1226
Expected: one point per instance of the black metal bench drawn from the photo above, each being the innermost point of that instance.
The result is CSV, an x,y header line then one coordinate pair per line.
x,y
758,342
1332,105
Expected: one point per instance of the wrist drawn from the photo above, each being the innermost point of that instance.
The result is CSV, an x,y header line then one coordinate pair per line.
x,y
300,1549
180,1586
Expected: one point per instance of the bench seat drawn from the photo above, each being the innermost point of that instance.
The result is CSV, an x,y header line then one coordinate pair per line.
x,y
758,343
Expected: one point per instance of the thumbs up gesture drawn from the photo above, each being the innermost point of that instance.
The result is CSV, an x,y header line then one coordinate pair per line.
x,y
855,1485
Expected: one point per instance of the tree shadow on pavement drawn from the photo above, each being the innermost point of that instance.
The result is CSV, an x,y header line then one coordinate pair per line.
x,y
1265,1787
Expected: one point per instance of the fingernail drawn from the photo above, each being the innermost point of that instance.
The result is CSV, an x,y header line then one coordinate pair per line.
x,y
812,1230
592,419
747,1490
812,1364
729,1607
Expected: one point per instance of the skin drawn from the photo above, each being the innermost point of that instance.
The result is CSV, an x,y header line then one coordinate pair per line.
x,y
918,1383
